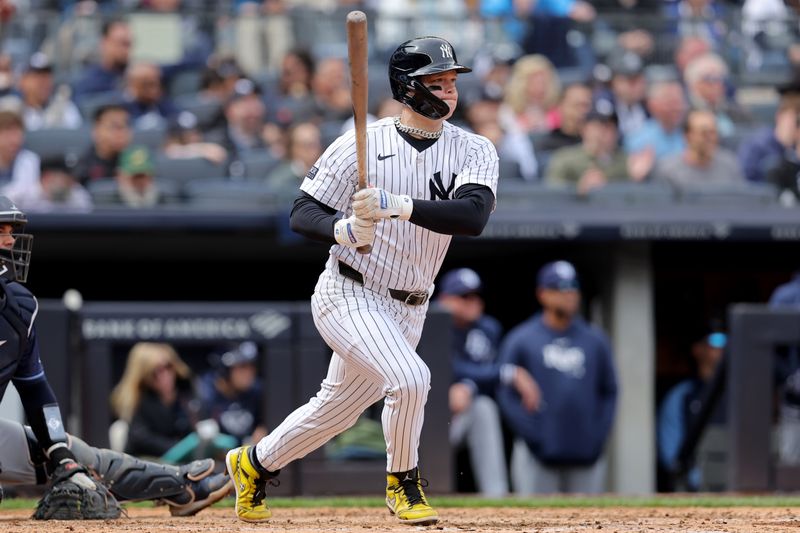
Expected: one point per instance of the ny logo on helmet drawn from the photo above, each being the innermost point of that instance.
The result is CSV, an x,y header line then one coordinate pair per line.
x,y
446,51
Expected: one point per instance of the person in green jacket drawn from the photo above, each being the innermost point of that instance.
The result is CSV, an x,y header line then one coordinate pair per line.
x,y
597,160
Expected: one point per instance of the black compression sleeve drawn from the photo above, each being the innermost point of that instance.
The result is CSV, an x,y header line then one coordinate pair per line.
x,y
35,395
466,214
313,219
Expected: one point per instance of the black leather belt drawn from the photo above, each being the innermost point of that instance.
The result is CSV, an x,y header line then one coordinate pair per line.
x,y
407,297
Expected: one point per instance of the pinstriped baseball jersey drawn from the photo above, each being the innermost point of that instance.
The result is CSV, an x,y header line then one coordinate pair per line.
x,y
404,256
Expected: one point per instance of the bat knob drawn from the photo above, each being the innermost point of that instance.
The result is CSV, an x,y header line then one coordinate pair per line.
x,y
356,16
367,248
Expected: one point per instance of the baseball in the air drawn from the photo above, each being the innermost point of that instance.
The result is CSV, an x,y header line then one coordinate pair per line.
x,y
72,300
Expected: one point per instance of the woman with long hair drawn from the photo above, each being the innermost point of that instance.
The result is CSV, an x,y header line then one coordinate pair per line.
x,y
153,397
531,96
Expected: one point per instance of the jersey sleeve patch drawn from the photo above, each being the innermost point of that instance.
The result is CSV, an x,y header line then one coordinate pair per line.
x,y
312,172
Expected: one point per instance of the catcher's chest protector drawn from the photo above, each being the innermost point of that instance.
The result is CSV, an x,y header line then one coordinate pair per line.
x,y
13,333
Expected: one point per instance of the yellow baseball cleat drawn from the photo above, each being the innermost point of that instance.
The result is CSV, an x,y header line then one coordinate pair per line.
x,y
407,501
249,484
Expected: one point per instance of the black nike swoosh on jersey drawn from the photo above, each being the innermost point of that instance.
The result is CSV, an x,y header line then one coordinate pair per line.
x,y
382,157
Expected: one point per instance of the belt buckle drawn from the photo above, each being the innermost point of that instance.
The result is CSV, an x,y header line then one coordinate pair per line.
x,y
416,298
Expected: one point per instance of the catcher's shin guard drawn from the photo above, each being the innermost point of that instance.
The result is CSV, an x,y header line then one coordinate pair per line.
x,y
186,489
192,486
129,478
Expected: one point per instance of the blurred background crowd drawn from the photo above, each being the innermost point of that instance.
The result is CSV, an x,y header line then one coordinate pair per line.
x,y
141,103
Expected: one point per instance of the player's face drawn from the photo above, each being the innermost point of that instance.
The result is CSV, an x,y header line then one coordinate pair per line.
x,y
465,308
564,303
6,238
443,85
242,377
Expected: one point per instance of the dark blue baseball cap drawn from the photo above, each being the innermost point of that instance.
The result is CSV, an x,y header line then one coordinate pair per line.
x,y
240,354
460,282
558,275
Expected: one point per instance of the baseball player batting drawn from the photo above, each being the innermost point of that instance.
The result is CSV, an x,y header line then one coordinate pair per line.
x,y
429,180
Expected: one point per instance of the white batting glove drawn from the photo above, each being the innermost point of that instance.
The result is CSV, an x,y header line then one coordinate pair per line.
x,y
376,203
354,232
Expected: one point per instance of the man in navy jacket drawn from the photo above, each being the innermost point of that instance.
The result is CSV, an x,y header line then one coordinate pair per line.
x,y
476,419
559,443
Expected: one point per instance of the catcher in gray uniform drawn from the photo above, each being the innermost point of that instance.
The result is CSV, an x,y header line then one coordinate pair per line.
x,y
84,482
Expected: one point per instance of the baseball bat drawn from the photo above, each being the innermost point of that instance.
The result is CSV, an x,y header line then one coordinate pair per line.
x,y
357,55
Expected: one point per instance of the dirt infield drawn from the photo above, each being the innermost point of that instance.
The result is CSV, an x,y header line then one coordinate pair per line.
x,y
608,519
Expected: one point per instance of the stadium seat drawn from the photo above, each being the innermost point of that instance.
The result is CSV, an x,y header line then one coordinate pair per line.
x,y
630,193
104,192
322,35
91,103
59,142
745,194
509,169
224,194
267,80
259,165
152,138
764,112
378,86
182,170
658,73
570,75
329,131
518,193
184,82
207,111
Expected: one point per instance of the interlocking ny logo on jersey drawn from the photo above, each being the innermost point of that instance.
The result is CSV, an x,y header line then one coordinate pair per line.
x,y
446,51
438,190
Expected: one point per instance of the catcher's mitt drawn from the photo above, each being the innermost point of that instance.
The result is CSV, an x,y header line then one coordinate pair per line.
x,y
74,495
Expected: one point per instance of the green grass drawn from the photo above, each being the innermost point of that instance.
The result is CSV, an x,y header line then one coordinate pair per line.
x,y
700,500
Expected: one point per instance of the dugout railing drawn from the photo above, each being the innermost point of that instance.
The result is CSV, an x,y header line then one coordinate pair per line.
x,y
85,352
755,332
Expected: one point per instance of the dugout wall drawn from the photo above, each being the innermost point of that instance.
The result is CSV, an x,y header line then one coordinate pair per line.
x,y
86,350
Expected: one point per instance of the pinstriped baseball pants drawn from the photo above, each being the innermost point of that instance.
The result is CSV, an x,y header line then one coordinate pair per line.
x,y
373,338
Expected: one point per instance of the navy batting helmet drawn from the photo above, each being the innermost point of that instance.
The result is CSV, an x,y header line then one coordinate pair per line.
x,y
229,356
15,260
419,57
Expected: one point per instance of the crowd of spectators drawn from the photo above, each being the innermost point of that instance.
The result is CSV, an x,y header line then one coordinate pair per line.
x,y
574,94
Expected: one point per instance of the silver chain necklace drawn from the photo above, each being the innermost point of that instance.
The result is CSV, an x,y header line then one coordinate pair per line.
x,y
418,132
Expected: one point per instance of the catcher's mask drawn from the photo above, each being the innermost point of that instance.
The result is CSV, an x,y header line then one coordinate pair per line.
x,y
14,261
419,57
